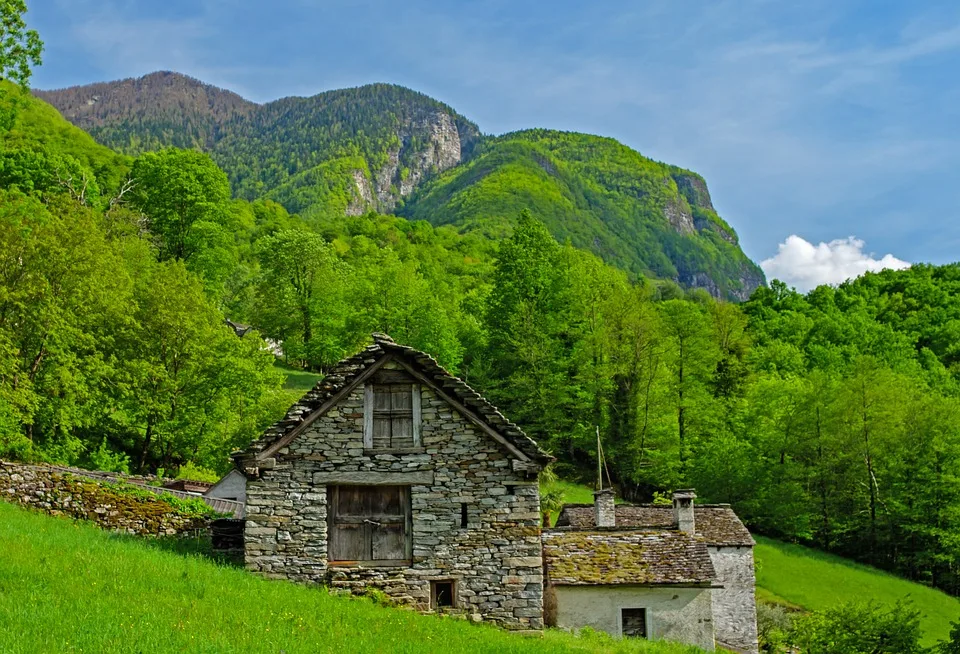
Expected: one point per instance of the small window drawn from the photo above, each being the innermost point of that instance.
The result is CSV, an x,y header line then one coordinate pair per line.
x,y
391,412
633,623
369,523
463,516
511,489
442,595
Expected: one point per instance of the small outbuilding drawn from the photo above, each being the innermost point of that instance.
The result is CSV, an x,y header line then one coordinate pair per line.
x,y
718,532
630,583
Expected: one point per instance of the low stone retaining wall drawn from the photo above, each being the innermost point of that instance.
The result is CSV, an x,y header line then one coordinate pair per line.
x,y
124,509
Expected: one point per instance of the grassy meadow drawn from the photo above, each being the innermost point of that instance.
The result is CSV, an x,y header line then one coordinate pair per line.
x,y
66,586
806,578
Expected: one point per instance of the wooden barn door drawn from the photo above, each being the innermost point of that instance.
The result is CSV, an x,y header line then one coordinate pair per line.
x,y
369,523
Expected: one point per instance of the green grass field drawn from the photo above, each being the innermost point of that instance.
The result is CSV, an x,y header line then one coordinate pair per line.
x,y
810,579
66,586
297,379
572,493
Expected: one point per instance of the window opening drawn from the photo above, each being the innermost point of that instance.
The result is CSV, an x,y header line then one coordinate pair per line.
x,y
369,523
463,516
633,623
441,592
392,408
511,489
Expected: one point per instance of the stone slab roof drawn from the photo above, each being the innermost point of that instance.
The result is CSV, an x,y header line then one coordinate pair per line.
x,y
717,524
344,373
610,556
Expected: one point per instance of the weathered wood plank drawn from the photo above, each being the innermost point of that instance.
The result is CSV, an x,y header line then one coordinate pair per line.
x,y
418,478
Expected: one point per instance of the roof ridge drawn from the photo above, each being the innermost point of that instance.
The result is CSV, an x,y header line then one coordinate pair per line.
x,y
345,372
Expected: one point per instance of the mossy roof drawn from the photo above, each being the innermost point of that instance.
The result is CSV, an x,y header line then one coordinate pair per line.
x,y
717,524
346,372
613,557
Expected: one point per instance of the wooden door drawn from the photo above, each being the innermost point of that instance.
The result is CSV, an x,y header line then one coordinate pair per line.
x,y
369,523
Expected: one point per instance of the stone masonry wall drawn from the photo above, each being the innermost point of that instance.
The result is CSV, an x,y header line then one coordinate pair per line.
x,y
735,605
59,493
496,561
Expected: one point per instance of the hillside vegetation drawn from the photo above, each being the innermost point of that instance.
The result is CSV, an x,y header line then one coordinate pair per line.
x,y
381,147
815,581
67,587
601,196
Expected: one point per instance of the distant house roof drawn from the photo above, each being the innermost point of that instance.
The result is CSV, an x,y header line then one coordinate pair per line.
x,y
345,374
609,556
238,328
717,524
188,485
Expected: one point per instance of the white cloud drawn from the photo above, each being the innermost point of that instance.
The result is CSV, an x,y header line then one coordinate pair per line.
x,y
802,264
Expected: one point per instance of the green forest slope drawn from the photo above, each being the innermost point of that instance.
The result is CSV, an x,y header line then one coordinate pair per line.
x,y
601,196
66,586
377,147
815,581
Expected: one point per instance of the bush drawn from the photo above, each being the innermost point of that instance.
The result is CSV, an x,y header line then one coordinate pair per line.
x,y
860,628
106,460
774,623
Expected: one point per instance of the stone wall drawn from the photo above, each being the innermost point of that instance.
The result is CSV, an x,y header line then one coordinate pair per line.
x,y
735,605
495,562
59,493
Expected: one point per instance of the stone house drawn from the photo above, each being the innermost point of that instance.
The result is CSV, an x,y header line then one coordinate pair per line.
x,y
393,474
691,567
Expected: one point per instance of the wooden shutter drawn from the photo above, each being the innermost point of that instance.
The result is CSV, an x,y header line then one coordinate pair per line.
x,y
382,411
401,416
395,416
369,523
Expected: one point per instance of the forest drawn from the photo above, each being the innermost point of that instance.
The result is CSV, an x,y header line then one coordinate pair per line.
x,y
831,418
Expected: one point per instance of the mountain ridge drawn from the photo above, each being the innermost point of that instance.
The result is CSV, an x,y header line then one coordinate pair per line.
x,y
386,148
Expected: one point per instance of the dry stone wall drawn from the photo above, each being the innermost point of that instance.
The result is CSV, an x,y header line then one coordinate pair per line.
x,y
59,493
495,561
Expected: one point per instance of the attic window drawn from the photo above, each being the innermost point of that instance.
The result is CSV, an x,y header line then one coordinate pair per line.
x,y
391,412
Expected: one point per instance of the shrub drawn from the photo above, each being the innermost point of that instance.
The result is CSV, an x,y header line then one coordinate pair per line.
x,y
860,628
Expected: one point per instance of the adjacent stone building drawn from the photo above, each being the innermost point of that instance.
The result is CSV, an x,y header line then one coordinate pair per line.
x,y
393,474
717,531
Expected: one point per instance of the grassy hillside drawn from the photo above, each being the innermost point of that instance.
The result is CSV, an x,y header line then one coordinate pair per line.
x,y
636,213
806,578
68,587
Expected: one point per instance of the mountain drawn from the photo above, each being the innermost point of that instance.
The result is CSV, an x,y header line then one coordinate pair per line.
x,y
159,109
386,148
640,214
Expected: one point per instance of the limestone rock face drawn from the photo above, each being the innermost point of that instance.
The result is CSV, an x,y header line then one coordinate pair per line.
x,y
429,145
363,198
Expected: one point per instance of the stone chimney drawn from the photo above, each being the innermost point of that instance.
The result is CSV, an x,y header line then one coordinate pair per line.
x,y
683,510
604,509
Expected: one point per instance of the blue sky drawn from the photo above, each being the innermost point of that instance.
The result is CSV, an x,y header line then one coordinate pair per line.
x,y
823,120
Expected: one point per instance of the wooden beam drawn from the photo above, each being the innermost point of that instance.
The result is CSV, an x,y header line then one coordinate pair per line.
x,y
424,478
